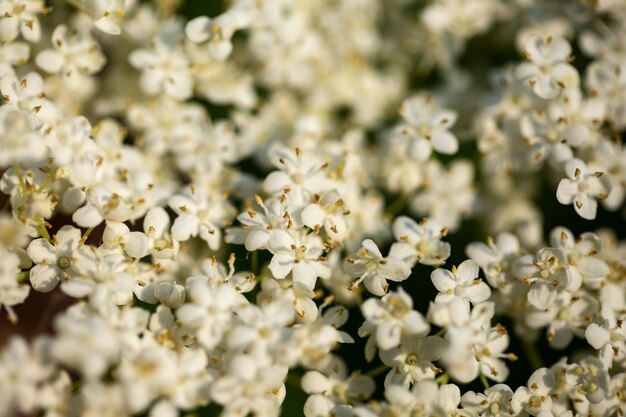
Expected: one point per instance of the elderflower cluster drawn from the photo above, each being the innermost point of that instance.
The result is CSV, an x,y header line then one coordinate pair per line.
x,y
336,208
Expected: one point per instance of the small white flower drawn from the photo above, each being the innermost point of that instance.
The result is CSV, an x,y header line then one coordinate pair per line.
x,y
210,311
546,273
372,268
11,291
74,55
535,397
609,337
300,253
389,318
422,241
56,261
495,402
427,127
412,360
217,32
462,282
165,67
582,188
548,71
20,16
590,378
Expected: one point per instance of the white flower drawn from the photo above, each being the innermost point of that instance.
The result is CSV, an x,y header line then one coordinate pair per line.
x,y
462,282
217,32
496,257
75,54
335,383
87,342
609,337
156,226
590,378
20,16
422,241
108,14
389,318
11,291
546,273
200,214
56,261
495,402
582,188
300,253
328,212
373,269
535,397
27,94
300,175
19,139
427,127
259,226
548,71
565,318
412,360
165,67
100,272
582,255
209,312
250,388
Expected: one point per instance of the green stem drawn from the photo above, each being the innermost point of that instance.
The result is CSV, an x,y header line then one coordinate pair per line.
x,y
48,179
441,332
397,205
484,381
443,379
293,380
532,355
254,260
378,370
20,178
41,227
23,276
86,234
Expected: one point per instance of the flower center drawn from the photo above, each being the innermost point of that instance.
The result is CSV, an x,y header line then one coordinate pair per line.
x,y
63,262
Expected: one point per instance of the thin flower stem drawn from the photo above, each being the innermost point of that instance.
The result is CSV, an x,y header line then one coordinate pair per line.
x,y
254,260
532,355
441,332
43,231
377,371
23,276
86,234
293,380
397,205
20,178
443,379
48,179
484,381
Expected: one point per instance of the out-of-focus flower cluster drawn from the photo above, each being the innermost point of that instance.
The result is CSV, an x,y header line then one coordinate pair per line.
x,y
214,194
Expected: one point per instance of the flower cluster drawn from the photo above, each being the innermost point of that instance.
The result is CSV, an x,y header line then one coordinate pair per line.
x,y
229,203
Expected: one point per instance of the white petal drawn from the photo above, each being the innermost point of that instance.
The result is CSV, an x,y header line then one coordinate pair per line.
x,y
185,226
467,271
87,216
281,265
597,336
443,280
136,245
197,30
541,295
445,142
43,278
